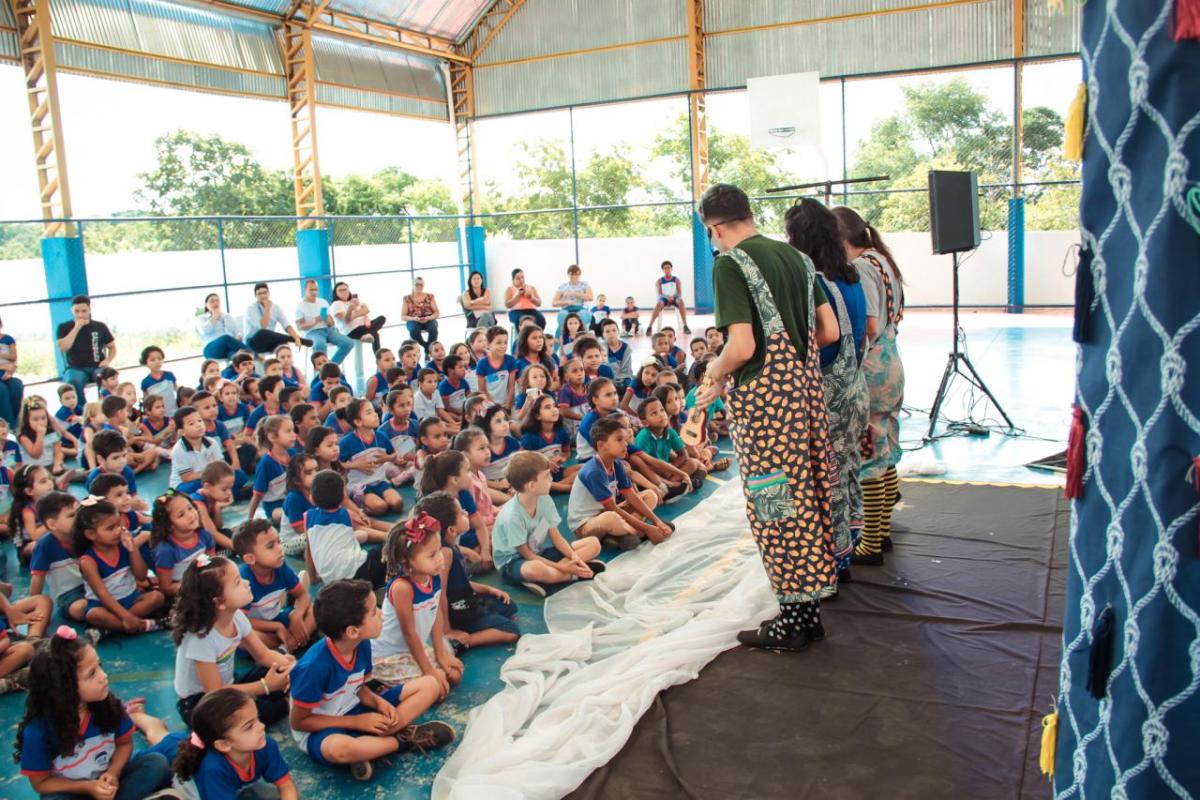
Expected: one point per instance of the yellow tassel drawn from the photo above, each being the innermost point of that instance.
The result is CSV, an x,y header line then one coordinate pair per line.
x,y
1049,740
1073,128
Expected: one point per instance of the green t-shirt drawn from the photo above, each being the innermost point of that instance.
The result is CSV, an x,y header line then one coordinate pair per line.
x,y
782,267
661,447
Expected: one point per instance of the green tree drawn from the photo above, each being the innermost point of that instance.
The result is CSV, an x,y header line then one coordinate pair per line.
x,y
951,126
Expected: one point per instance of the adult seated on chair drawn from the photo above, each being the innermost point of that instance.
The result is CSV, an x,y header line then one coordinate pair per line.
x,y
522,300
420,313
477,302
571,296
219,332
88,345
354,317
314,318
260,320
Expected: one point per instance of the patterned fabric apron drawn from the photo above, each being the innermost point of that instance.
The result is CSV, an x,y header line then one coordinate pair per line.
x,y
885,382
777,423
848,405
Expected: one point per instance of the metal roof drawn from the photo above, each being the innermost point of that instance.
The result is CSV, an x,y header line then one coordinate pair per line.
x,y
447,19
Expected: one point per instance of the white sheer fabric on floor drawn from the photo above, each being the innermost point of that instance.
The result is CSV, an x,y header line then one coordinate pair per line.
x,y
653,620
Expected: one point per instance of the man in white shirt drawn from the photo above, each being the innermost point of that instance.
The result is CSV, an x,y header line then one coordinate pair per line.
x,y
260,320
313,317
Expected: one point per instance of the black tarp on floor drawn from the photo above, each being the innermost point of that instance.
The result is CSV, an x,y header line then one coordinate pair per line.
x,y
932,683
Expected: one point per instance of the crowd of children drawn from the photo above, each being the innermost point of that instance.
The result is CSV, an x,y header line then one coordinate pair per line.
x,y
485,431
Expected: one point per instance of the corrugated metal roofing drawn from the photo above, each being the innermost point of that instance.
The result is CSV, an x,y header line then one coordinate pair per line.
x,y
595,77
375,68
8,40
446,19
1052,33
913,40
542,27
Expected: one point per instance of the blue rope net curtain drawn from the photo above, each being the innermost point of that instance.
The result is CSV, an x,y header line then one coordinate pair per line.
x,y
1134,536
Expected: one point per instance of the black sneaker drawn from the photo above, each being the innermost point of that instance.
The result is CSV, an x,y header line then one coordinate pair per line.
x,y
761,639
887,544
425,737
596,566
675,492
308,343
687,330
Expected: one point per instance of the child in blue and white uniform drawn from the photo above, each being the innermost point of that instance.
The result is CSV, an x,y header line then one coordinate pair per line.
x,y
159,382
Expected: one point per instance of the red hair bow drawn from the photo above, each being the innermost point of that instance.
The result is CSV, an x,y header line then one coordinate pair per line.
x,y
421,525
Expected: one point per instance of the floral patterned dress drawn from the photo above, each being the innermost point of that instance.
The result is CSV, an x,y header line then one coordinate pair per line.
x,y
885,374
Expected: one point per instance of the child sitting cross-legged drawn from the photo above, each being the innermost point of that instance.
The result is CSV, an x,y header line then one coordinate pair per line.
x,y
229,752
178,539
111,453
413,640
450,471
76,737
593,508
54,566
336,718
111,567
193,451
208,625
34,613
212,498
272,582
480,615
661,441
529,549
334,545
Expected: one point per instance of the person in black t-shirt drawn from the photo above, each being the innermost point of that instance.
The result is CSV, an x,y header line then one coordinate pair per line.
x,y
88,345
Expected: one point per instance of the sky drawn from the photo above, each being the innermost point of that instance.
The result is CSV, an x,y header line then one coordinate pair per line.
x,y
106,150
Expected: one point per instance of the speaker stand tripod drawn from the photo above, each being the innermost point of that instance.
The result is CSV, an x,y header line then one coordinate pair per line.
x,y
957,363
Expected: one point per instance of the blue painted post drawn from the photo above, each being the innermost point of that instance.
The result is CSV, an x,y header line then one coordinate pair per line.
x,y
471,239
66,276
1016,255
702,265
312,248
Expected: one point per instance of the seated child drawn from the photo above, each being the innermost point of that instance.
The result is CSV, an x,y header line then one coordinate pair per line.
x,y
377,384
193,452
75,732
301,471
304,419
114,489
534,382
659,440
669,290
400,427
364,452
335,547
601,311
116,410
413,642
229,752
111,452
336,718
593,510
325,447
158,382
715,339
70,412
450,471
39,442
54,566
156,426
431,440
177,539
28,484
497,373
272,582
32,612
593,355
339,398
630,324
212,498
473,443
480,615
502,444
544,432
10,452
427,402
642,387
572,397
111,567
453,390
528,547
276,437
208,625
618,353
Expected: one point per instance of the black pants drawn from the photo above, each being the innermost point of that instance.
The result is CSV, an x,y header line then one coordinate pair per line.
x,y
265,341
272,707
373,329
373,569
631,325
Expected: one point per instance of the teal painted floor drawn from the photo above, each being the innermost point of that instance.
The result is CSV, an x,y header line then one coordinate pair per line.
x,y
1027,360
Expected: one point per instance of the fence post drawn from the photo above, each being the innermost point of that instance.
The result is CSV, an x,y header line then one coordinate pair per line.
x,y
702,264
66,276
1016,255
312,248
471,238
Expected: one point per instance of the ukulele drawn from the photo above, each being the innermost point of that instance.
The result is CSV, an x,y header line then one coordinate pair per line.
x,y
692,430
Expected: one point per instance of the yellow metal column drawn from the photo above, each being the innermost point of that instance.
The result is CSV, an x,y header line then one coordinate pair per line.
x,y
697,84
300,71
36,45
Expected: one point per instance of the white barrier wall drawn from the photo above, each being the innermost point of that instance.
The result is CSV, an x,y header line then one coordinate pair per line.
x,y
617,267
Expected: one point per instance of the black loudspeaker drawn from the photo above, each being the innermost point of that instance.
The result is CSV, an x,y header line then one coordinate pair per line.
x,y
953,211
